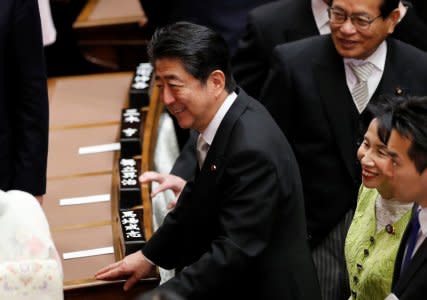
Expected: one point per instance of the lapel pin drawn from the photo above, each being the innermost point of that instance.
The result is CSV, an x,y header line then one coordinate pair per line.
x,y
213,168
398,91
389,229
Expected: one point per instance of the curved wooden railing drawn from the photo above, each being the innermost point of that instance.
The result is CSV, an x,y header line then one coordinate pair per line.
x,y
149,140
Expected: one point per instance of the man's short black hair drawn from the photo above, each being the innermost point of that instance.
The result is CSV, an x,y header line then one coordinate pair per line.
x,y
406,115
200,49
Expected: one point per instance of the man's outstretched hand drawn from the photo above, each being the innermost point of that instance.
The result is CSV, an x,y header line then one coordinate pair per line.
x,y
166,182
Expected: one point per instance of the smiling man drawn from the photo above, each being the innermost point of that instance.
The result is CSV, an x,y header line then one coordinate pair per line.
x,y
238,230
317,92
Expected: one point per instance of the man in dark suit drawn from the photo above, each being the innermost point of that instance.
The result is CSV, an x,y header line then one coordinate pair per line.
x,y
224,16
309,94
407,146
238,229
23,99
285,21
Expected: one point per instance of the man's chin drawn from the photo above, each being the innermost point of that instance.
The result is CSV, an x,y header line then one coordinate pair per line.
x,y
183,124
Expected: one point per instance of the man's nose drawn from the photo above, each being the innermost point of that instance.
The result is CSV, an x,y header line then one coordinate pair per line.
x,y
348,27
167,96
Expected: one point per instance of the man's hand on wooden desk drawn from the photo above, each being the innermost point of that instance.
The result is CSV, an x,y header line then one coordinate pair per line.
x,y
133,267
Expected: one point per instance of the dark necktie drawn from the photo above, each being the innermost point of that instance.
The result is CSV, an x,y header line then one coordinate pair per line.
x,y
412,240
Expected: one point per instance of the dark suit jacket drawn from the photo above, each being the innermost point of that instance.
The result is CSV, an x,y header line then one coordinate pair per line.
x,y
23,98
412,283
285,21
308,97
413,27
239,227
268,26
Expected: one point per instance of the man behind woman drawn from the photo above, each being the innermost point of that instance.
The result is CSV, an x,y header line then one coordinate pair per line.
x,y
380,219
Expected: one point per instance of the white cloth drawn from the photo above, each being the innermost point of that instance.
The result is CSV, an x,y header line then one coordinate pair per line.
x,y
377,59
48,28
165,154
30,267
391,297
320,13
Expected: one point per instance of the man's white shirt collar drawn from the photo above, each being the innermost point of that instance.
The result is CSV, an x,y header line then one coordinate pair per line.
x,y
209,133
377,58
423,220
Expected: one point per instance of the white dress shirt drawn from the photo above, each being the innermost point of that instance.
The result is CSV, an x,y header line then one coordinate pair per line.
x,y
209,133
377,59
320,13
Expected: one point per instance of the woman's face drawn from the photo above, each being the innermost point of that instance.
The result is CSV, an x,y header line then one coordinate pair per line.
x,y
377,168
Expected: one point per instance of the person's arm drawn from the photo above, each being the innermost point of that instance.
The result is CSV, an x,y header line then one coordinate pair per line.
x,y
251,194
28,97
136,265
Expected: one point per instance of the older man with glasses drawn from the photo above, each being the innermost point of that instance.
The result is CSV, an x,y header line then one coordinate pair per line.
x,y
286,21
317,92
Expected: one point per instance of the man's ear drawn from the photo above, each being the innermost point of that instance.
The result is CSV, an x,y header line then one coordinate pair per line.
x,y
217,81
393,19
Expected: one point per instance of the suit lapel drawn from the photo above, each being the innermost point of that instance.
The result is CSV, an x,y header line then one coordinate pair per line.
x,y
215,156
402,280
389,83
399,257
338,104
419,259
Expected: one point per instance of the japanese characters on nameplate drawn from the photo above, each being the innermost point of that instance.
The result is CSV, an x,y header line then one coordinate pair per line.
x,y
131,225
130,141
129,190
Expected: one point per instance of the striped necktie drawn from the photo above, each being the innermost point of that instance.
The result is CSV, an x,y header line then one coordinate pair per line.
x,y
202,150
360,91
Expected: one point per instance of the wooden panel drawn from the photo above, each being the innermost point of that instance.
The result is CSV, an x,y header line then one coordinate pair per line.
x,y
65,216
112,34
85,111
88,100
64,157
110,12
110,291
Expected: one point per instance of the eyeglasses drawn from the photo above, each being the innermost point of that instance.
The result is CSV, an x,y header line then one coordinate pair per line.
x,y
339,16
